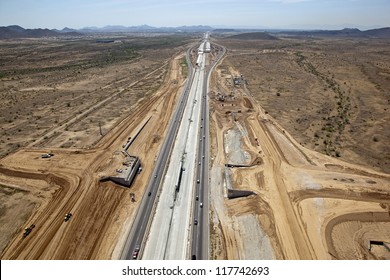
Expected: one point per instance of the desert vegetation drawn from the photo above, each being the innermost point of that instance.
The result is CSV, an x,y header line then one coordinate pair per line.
x,y
55,92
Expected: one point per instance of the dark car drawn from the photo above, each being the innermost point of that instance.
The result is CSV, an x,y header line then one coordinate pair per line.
x,y
135,253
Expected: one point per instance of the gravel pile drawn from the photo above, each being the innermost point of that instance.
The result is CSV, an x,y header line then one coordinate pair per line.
x,y
233,147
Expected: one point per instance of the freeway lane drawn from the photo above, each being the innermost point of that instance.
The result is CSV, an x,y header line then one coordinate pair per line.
x,y
177,225
169,231
201,181
169,236
141,222
200,232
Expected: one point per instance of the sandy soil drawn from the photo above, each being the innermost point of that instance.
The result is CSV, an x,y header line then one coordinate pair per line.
x,y
69,181
307,205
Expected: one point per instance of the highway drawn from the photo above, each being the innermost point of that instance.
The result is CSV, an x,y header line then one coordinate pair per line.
x,y
141,221
169,236
172,221
200,232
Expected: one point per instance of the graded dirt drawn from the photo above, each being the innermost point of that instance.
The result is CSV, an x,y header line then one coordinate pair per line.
x,y
308,205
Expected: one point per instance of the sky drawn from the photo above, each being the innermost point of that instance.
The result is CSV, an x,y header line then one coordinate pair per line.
x,y
292,14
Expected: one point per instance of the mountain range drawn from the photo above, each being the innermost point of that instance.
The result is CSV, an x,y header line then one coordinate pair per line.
x,y
346,32
15,31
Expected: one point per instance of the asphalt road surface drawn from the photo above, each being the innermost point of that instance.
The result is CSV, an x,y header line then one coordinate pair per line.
x,y
200,231
141,222
168,237
172,221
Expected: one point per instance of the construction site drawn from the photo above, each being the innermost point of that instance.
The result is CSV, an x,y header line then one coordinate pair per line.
x,y
92,178
275,199
270,196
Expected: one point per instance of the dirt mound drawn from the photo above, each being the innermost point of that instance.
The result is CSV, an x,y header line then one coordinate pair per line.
x,y
359,228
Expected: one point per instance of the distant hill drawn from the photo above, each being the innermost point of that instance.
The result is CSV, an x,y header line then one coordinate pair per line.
x,y
194,28
253,36
378,33
223,30
145,28
66,29
346,32
15,31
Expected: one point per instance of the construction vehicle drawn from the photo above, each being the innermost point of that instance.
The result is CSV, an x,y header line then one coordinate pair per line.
x,y
48,155
132,197
27,230
67,217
